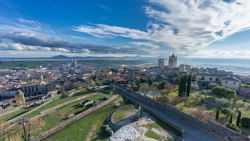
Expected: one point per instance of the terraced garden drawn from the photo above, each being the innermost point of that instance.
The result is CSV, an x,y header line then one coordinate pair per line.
x,y
87,128
53,119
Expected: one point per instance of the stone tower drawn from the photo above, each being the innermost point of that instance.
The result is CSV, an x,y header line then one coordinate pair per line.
x,y
20,100
172,62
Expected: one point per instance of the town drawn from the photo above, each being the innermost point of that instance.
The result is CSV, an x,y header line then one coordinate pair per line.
x,y
33,96
124,70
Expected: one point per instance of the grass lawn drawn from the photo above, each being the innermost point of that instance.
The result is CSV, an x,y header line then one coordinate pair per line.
x,y
56,102
153,135
47,106
86,128
54,118
123,113
62,114
13,114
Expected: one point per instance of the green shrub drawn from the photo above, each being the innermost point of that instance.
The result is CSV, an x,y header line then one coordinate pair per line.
x,y
224,92
233,127
245,122
226,111
64,95
246,85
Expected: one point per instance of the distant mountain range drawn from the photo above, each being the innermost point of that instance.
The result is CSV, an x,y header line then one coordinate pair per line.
x,y
85,57
64,57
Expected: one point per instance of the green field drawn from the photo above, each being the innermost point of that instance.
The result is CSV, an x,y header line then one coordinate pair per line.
x,y
62,114
56,102
86,128
52,119
13,114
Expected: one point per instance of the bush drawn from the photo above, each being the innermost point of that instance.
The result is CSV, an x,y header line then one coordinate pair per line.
x,y
211,99
224,92
64,95
245,122
226,111
233,127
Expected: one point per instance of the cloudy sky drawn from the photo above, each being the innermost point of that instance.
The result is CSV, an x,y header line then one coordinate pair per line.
x,y
194,28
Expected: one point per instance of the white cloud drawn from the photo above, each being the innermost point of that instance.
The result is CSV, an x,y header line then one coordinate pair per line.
x,y
30,22
104,8
21,47
221,54
87,51
101,30
145,44
185,25
195,24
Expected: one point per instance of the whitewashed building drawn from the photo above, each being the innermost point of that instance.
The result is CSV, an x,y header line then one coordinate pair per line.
x,y
231,82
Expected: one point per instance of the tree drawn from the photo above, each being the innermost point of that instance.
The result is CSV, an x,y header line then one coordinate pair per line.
x,y
142,80
180,87
26,129
161,85
184,87
245,122
230,119
150,82
134,87
217,114
238,119
188,85
184,84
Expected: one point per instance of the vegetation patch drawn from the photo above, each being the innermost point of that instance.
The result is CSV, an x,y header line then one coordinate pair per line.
x,y
123,113
153,135
13,114
80,129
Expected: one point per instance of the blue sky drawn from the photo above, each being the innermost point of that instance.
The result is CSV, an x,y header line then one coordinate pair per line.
x,y
202,28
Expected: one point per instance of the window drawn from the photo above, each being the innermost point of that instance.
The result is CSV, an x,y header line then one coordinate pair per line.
x,y
226,82
210,78
234,83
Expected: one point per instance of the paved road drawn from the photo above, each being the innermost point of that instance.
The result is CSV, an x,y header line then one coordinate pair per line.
x,y
191,132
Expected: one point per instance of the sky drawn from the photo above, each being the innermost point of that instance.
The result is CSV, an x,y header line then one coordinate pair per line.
x,y
125,28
